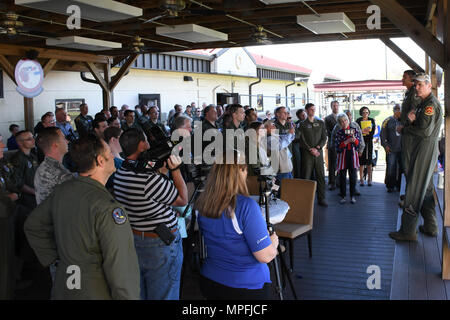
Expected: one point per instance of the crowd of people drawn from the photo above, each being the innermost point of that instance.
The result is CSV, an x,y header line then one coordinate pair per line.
x,y
89,196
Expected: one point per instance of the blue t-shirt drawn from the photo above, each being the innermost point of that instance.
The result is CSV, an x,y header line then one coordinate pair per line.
x,y
230,260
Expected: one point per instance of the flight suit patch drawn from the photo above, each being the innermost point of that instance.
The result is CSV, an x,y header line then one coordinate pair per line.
x,y
429,111
119,216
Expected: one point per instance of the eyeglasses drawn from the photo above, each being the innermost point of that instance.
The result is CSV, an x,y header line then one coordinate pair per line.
x,y
27,139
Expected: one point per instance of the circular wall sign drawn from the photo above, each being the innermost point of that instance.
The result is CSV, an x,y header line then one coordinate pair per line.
x,y
29,77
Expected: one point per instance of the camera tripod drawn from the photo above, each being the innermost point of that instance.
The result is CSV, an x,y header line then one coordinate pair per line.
x,y
264,194
191,243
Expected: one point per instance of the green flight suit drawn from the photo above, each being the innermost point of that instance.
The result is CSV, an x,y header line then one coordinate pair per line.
x,y
25,167
84,124
425,132
313,134
80,224
410,102
7,238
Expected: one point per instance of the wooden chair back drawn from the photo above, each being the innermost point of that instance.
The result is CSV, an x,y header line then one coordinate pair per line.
x,y
300,195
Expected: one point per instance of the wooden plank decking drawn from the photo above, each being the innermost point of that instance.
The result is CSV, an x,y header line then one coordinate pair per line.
x,y
417,267
346,240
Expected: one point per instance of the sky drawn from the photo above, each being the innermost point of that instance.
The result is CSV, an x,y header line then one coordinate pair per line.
x,y
347,60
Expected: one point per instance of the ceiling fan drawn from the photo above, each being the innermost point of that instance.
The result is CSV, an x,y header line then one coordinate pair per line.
x,y
138,46
11,27
260,36
172,8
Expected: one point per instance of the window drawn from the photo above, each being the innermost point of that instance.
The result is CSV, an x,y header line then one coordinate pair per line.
x,y
72,107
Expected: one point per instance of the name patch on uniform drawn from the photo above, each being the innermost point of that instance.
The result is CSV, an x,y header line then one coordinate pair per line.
x,y
119,216
30,165
429,111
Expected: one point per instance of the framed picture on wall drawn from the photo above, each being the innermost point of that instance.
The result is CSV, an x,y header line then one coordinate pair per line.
x,y
259,103
278,99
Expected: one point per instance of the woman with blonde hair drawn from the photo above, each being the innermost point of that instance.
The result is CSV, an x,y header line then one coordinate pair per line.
x,y
235,234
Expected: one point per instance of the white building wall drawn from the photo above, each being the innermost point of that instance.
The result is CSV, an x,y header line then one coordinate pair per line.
x,y
170,85
234,61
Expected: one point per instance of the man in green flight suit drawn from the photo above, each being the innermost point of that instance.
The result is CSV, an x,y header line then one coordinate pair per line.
x,y
82,230
313,136
410,102
25,164
8,197
425,127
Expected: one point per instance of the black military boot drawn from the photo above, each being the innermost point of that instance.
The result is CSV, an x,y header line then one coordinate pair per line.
x,y
427,232
400,236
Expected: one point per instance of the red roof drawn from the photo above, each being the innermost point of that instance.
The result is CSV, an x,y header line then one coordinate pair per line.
x,y
261,61
330,76
360,86
264,61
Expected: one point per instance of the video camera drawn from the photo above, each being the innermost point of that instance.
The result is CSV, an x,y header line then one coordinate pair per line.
x,y
160,147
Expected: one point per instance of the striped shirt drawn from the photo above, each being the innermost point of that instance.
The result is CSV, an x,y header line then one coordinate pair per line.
x,y
147,198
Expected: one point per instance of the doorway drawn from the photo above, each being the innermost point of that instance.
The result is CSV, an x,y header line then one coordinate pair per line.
x,y
151,100
228,98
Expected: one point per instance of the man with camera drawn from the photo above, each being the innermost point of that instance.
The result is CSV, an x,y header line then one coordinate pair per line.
x,y
148,197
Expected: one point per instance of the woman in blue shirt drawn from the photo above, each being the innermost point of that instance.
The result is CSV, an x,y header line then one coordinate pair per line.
x,y
237,242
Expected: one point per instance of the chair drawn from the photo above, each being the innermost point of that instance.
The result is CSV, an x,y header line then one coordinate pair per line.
x,y
299,194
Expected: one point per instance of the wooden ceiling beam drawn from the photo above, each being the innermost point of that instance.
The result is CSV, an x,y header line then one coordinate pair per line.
x,y
45,53
8,68
404,56
49,66
412,28
123,70
98,77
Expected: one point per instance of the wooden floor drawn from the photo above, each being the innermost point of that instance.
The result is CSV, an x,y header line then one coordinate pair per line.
x,y
417,267
346,240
